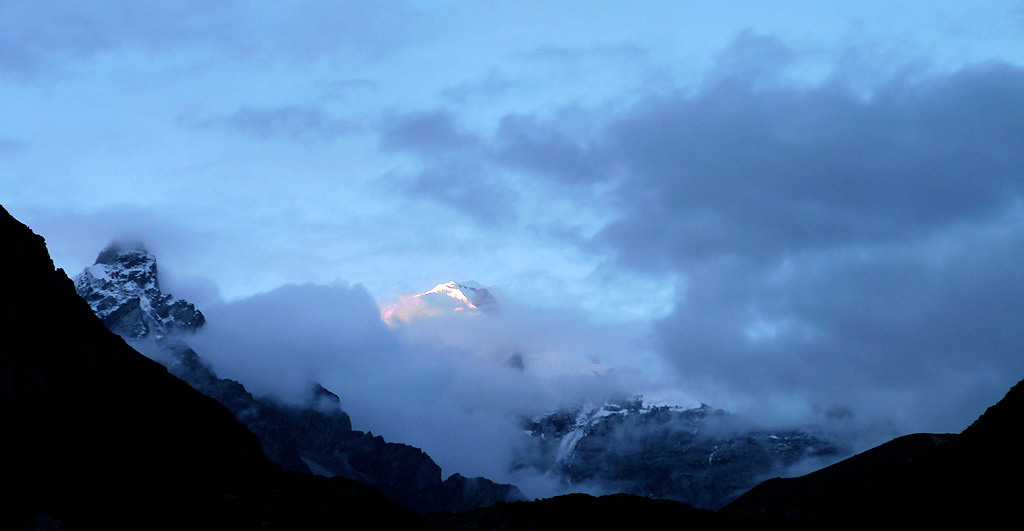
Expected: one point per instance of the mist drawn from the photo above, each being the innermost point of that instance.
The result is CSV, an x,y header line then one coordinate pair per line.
x,y
443,384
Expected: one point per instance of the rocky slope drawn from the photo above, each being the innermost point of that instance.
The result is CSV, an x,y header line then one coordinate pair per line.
x,y
316,437
701,456
123,288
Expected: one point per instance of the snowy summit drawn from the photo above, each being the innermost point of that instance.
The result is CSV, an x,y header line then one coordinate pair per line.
x,y
123,289
443,299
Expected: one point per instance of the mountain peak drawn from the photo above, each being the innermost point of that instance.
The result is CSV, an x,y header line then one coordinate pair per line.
x,y
470,292
466,297
123,288
118,249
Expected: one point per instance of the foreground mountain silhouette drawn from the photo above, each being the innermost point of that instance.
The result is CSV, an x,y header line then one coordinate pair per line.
x,y
971,479
95,435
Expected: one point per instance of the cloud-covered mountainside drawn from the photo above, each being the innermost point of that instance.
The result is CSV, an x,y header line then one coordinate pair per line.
x,y
314,436
832,244
700,456
704,457
802,228
104,437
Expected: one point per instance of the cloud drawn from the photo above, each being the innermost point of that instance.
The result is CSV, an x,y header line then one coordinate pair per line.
x,y
75,238
527,143
493,84
428,134
279,342
464,187
10,147
50,35
295,122
763,173
924,335
576,54
444,386
837,247
455,174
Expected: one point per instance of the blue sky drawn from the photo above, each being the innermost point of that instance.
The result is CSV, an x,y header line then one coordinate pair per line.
x,y
801,204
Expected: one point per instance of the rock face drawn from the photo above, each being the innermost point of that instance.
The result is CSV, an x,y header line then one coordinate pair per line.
x,y
702,456
95,435
315,437
123,289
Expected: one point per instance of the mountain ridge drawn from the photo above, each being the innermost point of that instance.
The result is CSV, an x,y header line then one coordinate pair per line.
x,y
315,437
97,435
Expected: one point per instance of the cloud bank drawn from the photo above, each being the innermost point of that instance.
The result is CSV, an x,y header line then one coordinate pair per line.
x,y
443,384
836,246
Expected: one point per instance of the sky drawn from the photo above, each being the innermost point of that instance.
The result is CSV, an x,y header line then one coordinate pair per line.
x,y
777,209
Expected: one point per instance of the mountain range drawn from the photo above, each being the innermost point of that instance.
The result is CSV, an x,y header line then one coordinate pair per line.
x,y
99,436
315,437
704,457
701,456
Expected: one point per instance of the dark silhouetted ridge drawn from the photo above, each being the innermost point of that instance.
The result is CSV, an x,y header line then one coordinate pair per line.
x,y
97,436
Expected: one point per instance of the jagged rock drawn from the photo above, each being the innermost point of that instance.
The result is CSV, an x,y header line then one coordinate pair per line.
x,y
123,289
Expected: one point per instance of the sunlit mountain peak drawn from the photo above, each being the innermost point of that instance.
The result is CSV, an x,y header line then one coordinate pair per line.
x,y
468,297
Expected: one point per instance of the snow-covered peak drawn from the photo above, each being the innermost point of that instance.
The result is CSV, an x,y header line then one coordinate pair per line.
x,y
470,292
131,267
466,297
123,289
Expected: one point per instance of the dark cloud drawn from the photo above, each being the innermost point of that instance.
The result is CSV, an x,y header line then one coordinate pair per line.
x,y
752,59
456,173
762,173
597,50
525,142
924,334
11,146
295,122
428,134
465,187
839,247
349,88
